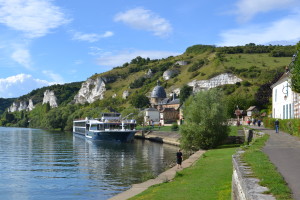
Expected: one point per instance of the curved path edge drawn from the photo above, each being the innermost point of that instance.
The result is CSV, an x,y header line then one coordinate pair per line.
x,y
161,178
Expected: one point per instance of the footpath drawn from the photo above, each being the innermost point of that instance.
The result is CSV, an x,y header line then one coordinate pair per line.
x,y
284,152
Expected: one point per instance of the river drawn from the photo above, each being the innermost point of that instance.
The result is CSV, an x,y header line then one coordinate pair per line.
x,y
38,164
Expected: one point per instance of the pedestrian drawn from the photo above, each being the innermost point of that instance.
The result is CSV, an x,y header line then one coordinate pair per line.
x,y
276,125
179,159
259,123
249,122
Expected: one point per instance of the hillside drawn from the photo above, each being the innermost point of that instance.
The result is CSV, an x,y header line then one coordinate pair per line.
x,y
258,66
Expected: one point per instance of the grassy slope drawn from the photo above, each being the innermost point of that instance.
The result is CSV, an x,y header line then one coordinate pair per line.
x,y
209,178
262,61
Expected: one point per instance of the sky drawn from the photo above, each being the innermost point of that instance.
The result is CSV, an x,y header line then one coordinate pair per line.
x,y
45,42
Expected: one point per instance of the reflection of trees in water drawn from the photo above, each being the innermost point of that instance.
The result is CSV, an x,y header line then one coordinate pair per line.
x,y
121,164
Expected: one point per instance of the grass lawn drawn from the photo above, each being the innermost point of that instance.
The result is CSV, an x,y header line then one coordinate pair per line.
x,y
209,178
265,170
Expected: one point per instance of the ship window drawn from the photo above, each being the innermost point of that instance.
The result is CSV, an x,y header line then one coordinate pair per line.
x,y
81,124
93,127
101,126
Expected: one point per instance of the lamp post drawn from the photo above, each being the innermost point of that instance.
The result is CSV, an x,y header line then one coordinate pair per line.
x,y
238,113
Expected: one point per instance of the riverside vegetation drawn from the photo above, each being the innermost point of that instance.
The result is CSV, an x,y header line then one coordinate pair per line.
x,y
259,66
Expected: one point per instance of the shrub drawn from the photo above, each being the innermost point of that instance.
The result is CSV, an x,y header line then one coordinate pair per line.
x,y
174,127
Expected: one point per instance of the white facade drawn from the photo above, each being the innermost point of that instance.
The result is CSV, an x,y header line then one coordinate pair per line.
x,y
151,114
282,99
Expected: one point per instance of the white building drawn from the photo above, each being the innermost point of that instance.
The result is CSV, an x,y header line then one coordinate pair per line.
x,y
151,114
283,105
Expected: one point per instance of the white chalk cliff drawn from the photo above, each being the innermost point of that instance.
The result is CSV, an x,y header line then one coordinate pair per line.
x,y
216,81
30,105
49,97
19,106
90,91
170,73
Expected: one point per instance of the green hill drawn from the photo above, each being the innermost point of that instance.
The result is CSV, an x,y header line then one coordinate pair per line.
x,y
257,65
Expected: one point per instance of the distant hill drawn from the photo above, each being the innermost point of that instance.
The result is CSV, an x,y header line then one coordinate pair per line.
x,y
257,65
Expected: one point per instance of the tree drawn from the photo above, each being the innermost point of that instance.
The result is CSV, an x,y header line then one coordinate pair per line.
x,y
140,101
205,124
185,92
295,71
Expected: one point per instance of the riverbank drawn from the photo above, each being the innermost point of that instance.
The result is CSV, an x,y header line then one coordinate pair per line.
x,y
171,138
208,178
162,178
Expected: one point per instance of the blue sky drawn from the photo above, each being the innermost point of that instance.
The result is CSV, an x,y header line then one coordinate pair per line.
x,y
43,42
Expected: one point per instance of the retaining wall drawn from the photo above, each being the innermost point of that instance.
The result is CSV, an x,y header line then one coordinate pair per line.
x,y
244,185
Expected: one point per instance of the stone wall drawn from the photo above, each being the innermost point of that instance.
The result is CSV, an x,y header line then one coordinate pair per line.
x,y
244,185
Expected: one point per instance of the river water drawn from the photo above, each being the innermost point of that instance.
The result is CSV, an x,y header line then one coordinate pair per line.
x,y
38,164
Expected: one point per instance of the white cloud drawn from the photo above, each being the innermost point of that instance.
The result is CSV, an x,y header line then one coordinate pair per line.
x,y
23,57
142,19
91,37
21,84
286,29
108,59
35,18
247,9
54,76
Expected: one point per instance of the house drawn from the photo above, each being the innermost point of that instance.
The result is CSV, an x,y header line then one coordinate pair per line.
x,y
285,102
251,113
168,108
151,115
157,95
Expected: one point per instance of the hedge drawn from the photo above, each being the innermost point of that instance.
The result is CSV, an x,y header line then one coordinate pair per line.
x,y
291,126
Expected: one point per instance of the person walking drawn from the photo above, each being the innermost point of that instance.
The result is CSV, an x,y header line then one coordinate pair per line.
x,y
258,123
276,123
179,159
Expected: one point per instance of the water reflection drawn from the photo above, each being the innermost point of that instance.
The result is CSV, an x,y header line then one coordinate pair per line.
x,y
36,164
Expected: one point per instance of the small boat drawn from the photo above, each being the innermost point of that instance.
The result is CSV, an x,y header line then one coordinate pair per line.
x,y
111,126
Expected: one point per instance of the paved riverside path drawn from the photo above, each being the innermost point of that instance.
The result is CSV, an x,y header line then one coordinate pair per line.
x,y
163,177
284,152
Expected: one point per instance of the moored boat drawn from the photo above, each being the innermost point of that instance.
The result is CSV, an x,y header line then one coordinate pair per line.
x,y
111,126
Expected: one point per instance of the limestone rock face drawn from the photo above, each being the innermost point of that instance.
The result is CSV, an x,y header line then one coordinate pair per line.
x,y
181,62
49,97
22,105
149,74
169,74
125,94
30,105
90,91
13,108
19,106
221,79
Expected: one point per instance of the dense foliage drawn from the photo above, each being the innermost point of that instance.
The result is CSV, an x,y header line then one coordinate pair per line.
x,y
185,92
205,124
295,71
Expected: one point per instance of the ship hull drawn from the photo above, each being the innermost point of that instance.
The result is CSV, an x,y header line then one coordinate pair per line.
x,y
123,136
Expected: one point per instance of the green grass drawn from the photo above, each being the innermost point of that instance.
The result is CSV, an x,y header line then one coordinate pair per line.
x,y
265,170
209,178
